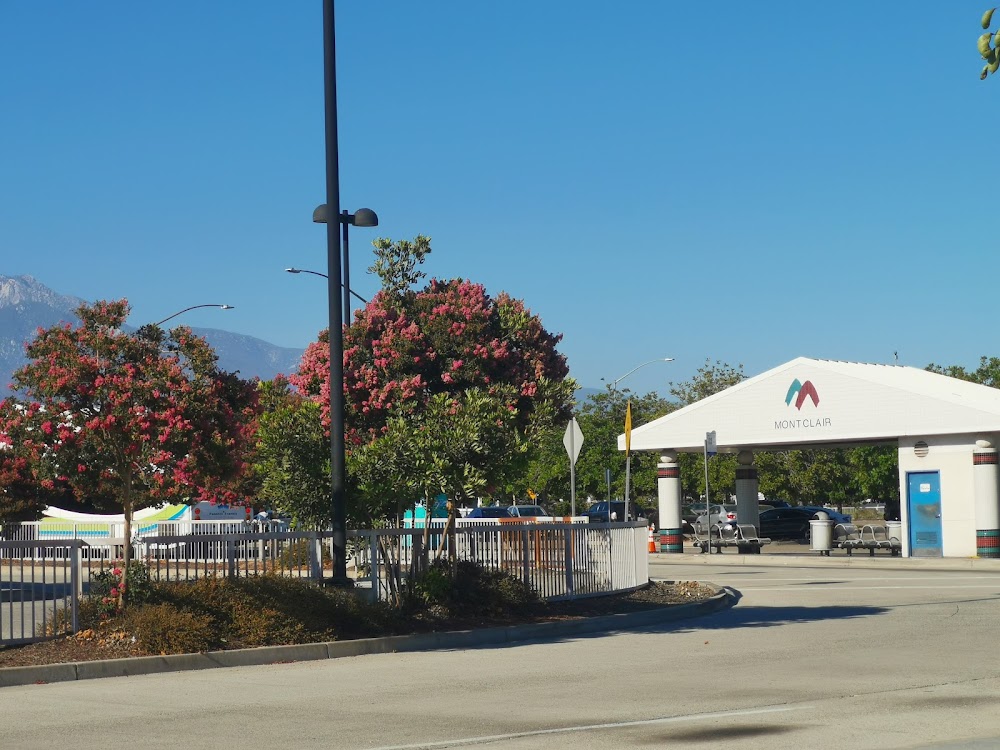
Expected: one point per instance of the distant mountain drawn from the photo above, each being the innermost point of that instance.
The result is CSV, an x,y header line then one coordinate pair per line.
x,y
27,305
250,356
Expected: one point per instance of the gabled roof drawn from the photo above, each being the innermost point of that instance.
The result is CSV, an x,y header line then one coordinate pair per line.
x,y
815,401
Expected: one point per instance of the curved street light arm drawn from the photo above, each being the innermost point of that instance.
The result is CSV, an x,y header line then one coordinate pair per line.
x,y
193,307
614,383
317,273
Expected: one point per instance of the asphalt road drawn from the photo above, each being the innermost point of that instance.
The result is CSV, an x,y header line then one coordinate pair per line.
x,y
809,657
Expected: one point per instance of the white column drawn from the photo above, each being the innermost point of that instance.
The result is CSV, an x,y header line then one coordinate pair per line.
x,y
986,473
668,489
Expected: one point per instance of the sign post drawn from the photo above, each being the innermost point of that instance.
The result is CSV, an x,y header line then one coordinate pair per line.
x,y
573,440
628,457
711,449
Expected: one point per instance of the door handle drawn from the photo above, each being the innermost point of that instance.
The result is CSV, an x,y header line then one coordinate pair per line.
x,y
938,515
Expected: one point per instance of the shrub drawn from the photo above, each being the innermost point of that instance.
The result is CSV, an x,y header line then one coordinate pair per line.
x,y
109,587
467,589
296,555
165,629
272,610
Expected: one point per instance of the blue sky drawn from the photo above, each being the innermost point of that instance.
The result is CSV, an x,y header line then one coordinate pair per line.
x,y
745,182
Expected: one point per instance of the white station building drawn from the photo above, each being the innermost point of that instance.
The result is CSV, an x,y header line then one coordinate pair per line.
x,y
946,432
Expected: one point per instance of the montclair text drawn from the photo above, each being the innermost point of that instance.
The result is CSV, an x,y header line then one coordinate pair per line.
x,y
793,424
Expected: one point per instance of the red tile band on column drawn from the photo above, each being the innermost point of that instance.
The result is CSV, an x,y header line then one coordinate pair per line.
x,y
668,472
984,459
671,540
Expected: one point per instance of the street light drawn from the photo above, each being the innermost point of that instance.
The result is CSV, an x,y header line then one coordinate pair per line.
x,y
193,307
616,381
338,473
317,273
363,217
628,428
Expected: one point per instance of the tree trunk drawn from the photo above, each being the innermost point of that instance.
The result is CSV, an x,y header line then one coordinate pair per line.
x,y
127,548
426,547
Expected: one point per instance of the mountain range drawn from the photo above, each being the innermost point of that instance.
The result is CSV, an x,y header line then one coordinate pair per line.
x,y
27,305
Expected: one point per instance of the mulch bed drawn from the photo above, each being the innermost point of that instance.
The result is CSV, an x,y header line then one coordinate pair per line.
x,y
90,646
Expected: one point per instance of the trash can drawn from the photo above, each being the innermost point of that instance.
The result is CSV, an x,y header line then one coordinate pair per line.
x,y
821,533
894,530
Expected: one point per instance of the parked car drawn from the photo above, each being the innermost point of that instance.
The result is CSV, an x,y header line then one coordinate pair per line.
x,y
793,523
776,503
716,514
490,511
689,513
598,512
527,511
835,516
873,505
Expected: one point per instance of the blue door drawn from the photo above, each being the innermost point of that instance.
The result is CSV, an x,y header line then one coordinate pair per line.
x,y
924,506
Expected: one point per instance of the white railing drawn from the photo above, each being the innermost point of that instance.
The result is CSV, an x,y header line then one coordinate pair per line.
x,y
558,560
39,592
41,580
99,530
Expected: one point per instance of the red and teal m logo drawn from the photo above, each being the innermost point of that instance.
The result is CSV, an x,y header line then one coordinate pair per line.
x,y
801,391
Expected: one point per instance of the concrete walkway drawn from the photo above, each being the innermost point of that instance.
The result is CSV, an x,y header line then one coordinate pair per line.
x,y
799,555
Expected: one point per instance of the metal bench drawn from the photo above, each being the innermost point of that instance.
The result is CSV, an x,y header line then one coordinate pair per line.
x,y
848,537
875,537
741,536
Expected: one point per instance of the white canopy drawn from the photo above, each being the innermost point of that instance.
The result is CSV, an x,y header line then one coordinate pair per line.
x,y
816,402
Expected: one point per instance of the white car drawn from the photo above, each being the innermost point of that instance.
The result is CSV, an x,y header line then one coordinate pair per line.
x,y
527,511
717,514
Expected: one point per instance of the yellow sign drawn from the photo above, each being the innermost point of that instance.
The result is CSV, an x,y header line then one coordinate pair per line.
x,y
628,427
531,494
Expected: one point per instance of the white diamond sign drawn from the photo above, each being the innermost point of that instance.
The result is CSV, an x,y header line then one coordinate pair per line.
x,y
573,440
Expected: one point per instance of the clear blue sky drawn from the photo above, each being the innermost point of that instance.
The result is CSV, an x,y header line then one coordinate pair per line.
x,y
748,182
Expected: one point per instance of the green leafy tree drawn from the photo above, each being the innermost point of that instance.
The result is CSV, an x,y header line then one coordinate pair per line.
x,y
292,458
459,446
876,471
987,373
397,262
987,45
602,419
711,378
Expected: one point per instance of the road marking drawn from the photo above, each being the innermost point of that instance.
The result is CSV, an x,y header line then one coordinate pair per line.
x,y
482,740
788,589
876,577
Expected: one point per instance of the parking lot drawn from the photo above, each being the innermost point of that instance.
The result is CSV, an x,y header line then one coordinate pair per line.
x,y
897,657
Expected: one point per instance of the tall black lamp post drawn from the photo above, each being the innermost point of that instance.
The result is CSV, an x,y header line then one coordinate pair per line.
x,y
338,498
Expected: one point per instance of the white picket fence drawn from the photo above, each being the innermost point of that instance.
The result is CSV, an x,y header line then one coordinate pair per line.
x,y
40,578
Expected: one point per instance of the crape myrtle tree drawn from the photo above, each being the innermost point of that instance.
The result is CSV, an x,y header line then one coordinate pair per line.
x,y
21,498
129,420
410,351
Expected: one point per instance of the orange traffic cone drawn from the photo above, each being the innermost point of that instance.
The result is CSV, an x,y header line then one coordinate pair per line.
x,y
652,539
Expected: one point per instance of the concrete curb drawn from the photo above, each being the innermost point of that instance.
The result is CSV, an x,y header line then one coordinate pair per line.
x,y
91,670
815,560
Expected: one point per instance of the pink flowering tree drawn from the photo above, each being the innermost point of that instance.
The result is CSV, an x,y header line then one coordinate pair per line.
x,y
450,337
129,420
